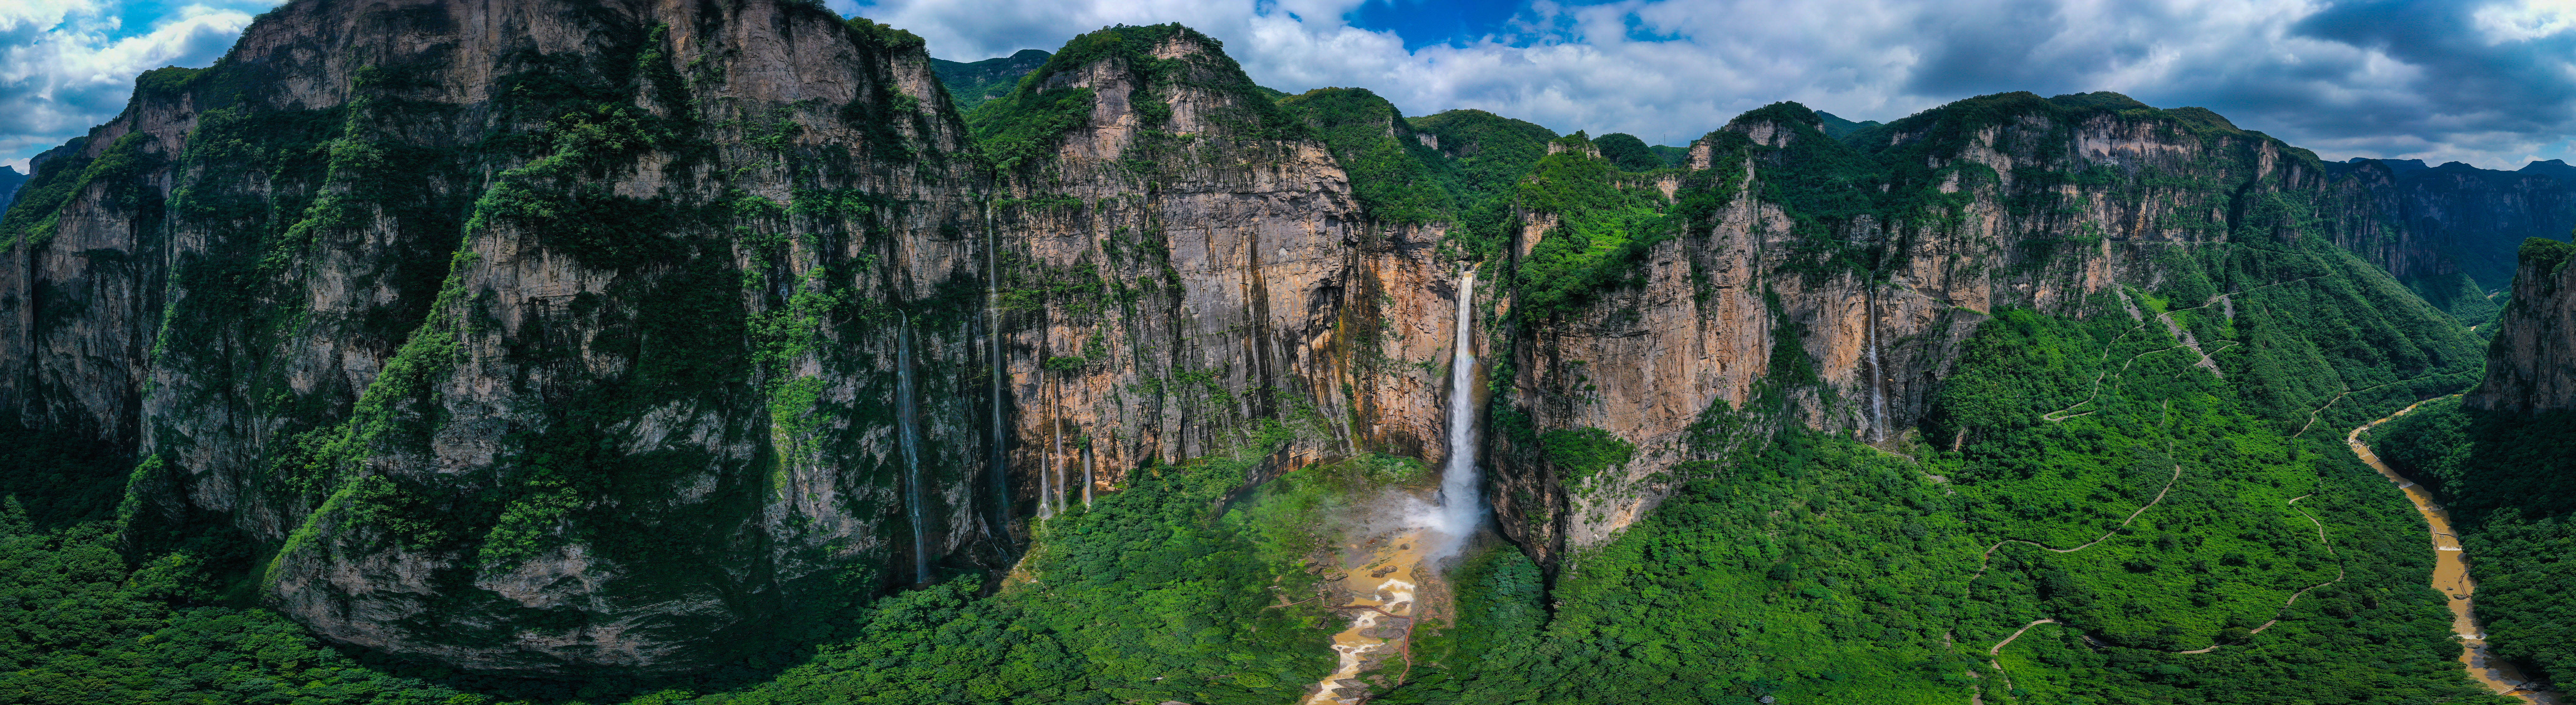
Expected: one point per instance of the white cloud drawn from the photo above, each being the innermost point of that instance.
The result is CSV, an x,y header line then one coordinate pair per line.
x,y
67,65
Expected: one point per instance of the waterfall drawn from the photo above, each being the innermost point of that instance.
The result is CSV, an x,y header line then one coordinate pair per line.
x,y
1046,470
1461,507
908,437
1877,374
1087,480
997,472
1058,468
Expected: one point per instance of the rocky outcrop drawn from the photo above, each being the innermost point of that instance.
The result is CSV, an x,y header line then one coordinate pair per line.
x,y
562,337
2531,363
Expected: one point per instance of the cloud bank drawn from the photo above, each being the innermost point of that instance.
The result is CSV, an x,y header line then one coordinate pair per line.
x,y
2490,82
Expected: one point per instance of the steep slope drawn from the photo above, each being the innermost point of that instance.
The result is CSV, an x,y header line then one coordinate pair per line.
x,y
2531,366
10,180
2499,461
2467,221
607,341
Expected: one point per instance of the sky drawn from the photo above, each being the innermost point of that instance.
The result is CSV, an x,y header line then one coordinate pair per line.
x,y
2488,82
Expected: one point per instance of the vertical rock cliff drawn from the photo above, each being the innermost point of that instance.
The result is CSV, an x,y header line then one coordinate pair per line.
x,y
517,331
2459,219
1662,321
2531,363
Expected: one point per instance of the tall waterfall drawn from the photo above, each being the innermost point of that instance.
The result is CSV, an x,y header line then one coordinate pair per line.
x,y
1462,507
907,431
995,471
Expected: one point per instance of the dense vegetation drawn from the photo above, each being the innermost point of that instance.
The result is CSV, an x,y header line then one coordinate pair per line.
x,y
1396,176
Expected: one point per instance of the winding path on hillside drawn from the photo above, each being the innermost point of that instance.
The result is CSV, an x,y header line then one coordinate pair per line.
x,y
1988,556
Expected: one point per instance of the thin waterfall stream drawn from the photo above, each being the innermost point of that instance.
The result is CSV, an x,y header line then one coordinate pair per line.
x,y
994,469
908,438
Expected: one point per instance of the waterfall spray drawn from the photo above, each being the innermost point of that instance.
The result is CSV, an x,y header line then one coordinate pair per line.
x,y
1461,506
908,437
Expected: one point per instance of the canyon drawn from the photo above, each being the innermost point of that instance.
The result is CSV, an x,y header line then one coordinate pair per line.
x,y
577,339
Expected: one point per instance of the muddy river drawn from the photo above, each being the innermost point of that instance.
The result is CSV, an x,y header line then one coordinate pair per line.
x,y
2451,576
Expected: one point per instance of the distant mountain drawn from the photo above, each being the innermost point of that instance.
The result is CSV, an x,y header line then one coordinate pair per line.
x,y
1628,153
973,82
10,179
2554,167
1836,127
2473,218
2400,167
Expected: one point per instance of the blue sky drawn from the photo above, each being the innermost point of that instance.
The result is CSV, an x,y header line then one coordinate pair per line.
x,y
2490,82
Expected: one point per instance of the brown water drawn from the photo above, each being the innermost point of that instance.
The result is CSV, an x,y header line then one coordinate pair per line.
x,y
1386,571
2451,576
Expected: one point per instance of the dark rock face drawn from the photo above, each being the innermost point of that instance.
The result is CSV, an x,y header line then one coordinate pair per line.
x,y
2531,364
2462,219
544,336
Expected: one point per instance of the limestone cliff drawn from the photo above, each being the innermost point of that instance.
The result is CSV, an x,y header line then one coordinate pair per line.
x,y
1799,279
2531,363
506,323
2461,219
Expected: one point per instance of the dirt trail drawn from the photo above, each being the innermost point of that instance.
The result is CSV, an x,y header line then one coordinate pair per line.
x,y
1989,555
2451,576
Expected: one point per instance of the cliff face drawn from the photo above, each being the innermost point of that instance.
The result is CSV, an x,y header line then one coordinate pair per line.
x,y
2531,363
545,337
504,322
1788,293
2461,219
